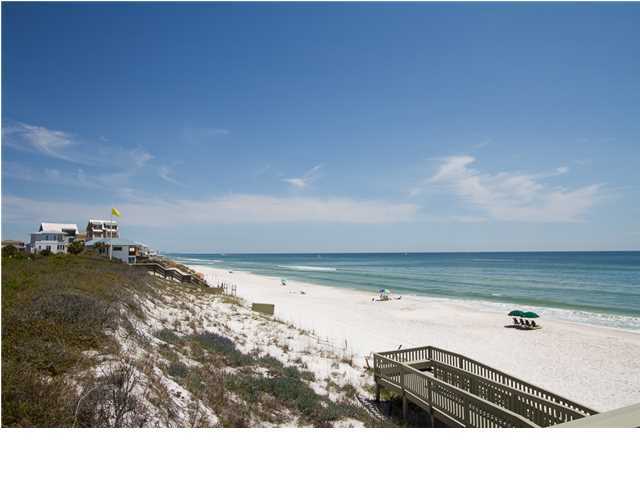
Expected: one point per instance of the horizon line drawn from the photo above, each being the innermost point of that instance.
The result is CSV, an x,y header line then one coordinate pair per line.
x,y
402,252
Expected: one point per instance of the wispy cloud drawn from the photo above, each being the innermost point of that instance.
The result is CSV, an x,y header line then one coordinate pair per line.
x,y
115,182
72,148
305,180
51,143
165,172
485,143
228,209
514,196
262,170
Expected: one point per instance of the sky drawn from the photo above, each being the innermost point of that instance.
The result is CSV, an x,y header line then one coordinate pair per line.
x,y
325,127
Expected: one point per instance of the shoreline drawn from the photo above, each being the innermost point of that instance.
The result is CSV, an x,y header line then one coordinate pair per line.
x,y
591,364
559,314
453,300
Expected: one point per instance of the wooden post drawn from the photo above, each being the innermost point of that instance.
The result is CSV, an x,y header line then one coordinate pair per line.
x,y
404,406
377,391
404,394
466,412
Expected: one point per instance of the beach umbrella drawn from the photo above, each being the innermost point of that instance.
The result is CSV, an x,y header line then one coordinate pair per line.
x,y
515,313
384,290
530,315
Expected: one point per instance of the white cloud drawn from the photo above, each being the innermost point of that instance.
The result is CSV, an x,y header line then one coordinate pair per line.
x,y
52,143
165,173
228,209
486,142
307,179
71,148
139,157
115,182
513,196
262,170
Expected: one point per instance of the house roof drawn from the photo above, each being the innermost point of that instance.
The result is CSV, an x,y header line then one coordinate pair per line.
x,y
93,220
118,242
57,227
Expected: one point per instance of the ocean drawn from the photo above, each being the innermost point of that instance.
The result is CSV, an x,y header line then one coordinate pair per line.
x,y
590,287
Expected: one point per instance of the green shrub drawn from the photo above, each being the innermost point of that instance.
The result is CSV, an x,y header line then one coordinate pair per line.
x,y
215,343
169,336
75,247
177,370
9,251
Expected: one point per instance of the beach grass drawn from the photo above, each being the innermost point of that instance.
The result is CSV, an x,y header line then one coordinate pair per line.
x,y
94,343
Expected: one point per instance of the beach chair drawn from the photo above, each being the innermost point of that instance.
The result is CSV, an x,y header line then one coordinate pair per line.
x,y
522,322
534,324
515,321
527,323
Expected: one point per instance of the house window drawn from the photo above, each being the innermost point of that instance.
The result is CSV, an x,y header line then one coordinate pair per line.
x,y
60,247
117,249
48,247
132,259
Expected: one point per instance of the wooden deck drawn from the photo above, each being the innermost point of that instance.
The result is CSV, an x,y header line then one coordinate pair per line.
x,y
170,273
463,392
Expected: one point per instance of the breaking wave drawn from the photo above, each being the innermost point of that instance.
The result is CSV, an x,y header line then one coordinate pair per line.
x,y
306,268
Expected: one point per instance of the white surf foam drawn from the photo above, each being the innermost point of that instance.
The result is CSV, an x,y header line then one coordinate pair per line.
x,y
306,268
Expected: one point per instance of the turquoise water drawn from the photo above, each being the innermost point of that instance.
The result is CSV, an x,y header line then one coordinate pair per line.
x,y
605,284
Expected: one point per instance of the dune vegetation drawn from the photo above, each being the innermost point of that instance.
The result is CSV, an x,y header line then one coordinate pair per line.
x,y
91,343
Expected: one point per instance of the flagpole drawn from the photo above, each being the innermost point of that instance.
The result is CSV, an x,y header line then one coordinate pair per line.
x,y
111,236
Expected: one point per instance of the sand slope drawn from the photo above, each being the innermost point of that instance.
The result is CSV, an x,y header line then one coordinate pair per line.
x,y
599,367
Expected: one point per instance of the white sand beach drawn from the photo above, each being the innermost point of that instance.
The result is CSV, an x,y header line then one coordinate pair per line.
x,y
596,366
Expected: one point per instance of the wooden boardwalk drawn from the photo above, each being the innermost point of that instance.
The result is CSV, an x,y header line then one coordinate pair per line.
x,y
462,392
170,273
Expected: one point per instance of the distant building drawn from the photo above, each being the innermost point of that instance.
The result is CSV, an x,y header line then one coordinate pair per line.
x,y
124,250
54,237
102,229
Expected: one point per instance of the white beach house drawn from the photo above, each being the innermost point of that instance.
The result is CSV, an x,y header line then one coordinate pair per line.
x,y
124,250
54,237
102,229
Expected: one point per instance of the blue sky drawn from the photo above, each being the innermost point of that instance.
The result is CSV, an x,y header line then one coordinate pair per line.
x,y
334,127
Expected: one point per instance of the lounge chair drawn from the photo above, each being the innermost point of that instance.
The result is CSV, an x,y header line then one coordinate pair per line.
x,y
515,321
522,322
534,324
527,323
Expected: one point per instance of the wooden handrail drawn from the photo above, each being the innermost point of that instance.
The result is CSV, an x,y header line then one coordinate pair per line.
x,y
481,370
457,404
490,374
542,412
170,272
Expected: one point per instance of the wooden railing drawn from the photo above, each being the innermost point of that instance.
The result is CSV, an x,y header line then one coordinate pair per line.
x,y
455,384
458,406
492,374
433,355
172,273
542,412
408,355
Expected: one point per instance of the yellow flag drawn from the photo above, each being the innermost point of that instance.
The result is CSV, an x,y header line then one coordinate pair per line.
x,y
116,212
